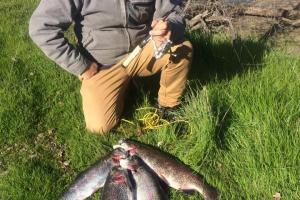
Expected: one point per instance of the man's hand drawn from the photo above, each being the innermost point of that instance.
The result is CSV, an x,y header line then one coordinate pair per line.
x,y
89,72
160,31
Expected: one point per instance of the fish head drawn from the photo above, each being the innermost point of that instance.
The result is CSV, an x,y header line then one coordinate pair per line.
x,y
120,176
128,145
118,154
132,163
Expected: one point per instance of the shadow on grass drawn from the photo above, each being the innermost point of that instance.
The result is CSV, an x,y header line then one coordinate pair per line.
x,y
224,117
220,58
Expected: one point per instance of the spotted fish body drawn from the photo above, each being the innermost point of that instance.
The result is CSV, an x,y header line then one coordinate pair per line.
x,y
93,178
118,185
174,173
146,181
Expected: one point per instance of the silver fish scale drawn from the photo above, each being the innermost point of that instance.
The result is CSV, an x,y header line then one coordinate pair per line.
x,y
146,181
117,191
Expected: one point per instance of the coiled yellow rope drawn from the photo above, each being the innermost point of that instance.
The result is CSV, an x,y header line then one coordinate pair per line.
x,y
151,120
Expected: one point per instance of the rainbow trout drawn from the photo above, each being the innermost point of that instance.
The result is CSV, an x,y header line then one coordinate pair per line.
x,y
174,173
93,178
118,185
146,181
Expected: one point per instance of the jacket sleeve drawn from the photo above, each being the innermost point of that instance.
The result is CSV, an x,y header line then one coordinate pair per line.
x,y
175,16
46,28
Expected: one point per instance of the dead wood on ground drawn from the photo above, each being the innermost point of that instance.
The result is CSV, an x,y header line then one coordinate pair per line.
x,y
215,15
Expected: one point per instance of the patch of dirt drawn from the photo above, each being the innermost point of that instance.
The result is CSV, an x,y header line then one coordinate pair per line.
x,y
43,143
289,41
47,142
275,20
276,4
252,25
286,38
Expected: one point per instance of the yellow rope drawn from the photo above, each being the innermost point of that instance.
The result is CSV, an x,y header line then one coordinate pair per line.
x,y
146,108
129,122
151,120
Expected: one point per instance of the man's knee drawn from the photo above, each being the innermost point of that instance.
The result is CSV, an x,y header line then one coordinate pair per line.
x,y
100,127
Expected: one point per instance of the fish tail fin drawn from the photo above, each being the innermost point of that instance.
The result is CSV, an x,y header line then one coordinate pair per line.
x,y
207,191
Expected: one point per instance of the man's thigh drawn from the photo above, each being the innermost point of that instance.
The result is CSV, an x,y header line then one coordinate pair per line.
x,y
146,65
103,98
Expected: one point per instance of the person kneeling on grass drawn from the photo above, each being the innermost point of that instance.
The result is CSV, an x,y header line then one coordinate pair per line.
x,y
107,31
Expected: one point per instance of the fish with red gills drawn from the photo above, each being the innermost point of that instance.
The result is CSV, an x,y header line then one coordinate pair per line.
x,y
93,178
171,171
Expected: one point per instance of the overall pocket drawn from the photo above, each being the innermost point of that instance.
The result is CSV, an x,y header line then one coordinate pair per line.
x,y
140,11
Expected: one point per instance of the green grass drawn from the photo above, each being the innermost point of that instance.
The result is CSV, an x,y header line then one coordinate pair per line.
x,y
242,103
